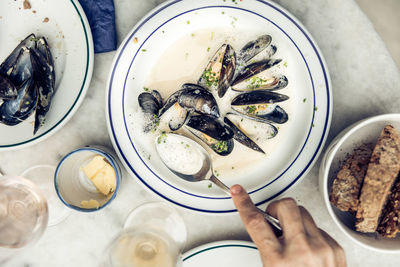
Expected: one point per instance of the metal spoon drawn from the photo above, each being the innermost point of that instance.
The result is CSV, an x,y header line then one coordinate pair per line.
x,y
204,173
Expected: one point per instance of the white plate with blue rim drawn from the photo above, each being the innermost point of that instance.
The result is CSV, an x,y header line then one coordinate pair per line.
x,y
230,253
172,45
65,26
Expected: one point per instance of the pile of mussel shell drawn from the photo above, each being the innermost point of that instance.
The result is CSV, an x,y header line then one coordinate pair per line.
x,y
27,82
253,107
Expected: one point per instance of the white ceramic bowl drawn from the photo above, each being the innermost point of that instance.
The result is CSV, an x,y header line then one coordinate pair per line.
x,y
364,131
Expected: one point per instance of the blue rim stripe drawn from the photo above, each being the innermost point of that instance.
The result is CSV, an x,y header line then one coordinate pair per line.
x,y
325,125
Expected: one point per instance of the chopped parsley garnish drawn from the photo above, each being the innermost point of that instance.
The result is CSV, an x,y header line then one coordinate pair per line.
x,y
285,64
251,109
193,35
208,49
145,89
209,77
144,50
255,82
209,185
222,12
220,146
304,100
315,109
162,138
188,22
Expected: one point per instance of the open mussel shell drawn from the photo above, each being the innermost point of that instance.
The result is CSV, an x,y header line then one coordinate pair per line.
x,y
269,113
211,131
7,89
14,111
248,131
220,70
196,98
272,83
10,62
254,69
149,103
252,48
241,137
22,70
172,99
175,116
43,72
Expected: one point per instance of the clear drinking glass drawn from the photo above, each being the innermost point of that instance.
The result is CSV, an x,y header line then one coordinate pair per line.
x,y
154,235
23,215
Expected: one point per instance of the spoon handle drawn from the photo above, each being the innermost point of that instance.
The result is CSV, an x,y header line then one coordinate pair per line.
x,y
272,220
220,184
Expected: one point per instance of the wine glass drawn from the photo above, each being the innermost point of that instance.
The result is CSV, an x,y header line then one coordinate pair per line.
x,y
154,235
43,177
23,215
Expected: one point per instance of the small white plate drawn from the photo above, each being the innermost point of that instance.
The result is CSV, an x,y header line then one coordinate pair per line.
x,y
299,141
223,254
68,34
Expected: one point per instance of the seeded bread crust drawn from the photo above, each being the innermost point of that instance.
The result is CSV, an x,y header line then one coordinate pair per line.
x,y
347,184
390,224
381,174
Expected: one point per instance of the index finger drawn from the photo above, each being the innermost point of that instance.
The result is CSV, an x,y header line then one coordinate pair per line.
x,y
258,229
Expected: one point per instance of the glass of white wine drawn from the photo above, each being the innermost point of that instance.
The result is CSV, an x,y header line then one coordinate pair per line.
x,y
154,235
23,215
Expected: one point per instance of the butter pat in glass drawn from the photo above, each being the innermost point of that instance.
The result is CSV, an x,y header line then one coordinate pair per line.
x,y
87,179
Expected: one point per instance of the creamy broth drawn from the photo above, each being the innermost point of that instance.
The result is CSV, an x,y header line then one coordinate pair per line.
x,y
184,62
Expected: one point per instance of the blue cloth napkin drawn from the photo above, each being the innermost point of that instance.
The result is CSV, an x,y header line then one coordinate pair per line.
x,y
101,16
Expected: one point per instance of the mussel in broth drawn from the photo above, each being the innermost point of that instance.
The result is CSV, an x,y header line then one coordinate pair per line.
x,y
213,132
258,82
256,131
241,137
196,98
220,70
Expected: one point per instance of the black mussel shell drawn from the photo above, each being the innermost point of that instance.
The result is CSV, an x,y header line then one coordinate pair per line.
x,y
212,132
227,70
10,61
172,99
258,97
210,126
179,117
258,83
22,70
252,48
196,98
7,89
254,69
149,103
43,73
14,111
242,137
276,115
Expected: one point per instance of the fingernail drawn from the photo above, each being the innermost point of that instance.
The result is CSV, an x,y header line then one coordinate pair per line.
x,y
236,189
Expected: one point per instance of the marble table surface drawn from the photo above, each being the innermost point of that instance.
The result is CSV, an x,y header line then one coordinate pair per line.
x,y
360,68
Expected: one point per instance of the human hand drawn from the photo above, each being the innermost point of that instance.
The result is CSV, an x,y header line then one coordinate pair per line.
x,y
302,242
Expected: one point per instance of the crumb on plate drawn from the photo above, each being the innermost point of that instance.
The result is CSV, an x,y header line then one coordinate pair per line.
x,y
26,4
